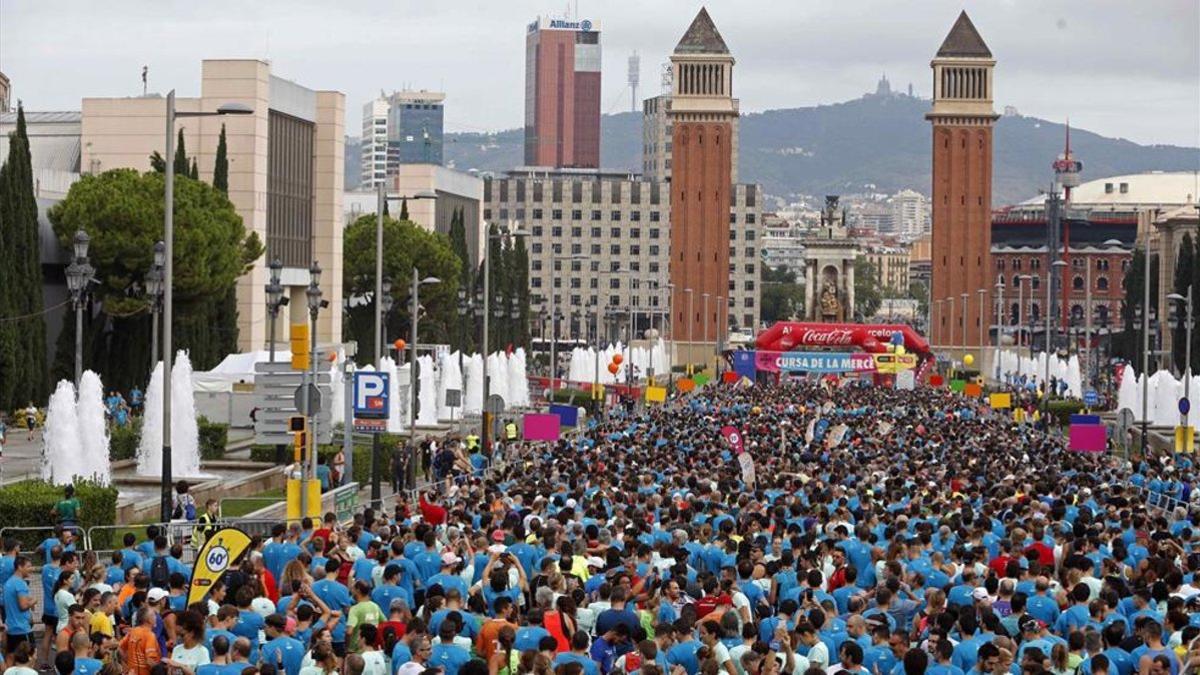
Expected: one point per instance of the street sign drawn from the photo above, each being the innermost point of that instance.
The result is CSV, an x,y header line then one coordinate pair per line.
x,y
371,394
314,398
1090,398
494,404
1184,405
275,399
453,398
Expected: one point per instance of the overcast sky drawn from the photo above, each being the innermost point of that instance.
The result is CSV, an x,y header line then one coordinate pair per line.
x,y
1120,68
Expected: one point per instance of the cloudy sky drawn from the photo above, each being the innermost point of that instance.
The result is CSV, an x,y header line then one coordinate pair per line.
x,y
1120,68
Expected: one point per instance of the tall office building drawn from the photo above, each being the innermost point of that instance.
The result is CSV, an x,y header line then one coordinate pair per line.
x,y
962,119
562,93
702,114
910,216
404,127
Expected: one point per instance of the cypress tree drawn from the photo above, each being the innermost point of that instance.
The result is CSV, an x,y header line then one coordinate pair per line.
x,y
386,212
157,163
521,265
181,160
458,243
1184,273
194,174
221,166
24,347
403,209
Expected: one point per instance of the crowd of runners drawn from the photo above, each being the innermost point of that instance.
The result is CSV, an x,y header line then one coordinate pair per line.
x,y
880,531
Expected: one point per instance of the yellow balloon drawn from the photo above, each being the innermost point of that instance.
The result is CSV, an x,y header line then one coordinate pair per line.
x,y
901,350
968,359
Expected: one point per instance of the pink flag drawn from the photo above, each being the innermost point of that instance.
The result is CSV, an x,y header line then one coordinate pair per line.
x,y
734,438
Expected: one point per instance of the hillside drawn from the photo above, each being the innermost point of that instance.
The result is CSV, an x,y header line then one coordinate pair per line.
x,y
841,148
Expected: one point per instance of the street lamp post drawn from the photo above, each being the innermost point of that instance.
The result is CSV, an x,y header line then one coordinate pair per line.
x,y
415,318
983,331
275,300
154,289
966,315
705,297
554,258
1187,359
169,278
999,322
950,311
465,307
79,276
722,317
691,325
937,304
1050,317
308,466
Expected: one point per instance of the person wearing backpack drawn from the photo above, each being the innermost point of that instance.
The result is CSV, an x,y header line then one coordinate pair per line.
x,y
185,504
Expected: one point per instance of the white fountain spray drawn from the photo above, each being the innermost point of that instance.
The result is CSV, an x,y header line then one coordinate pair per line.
x,y
93,429
185,431
61,456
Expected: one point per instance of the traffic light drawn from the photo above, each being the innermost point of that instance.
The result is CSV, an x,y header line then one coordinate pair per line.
x,y
298,425
299,338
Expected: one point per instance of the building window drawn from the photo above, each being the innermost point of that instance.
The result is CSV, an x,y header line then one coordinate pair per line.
x,y
1035,282
537,230
614,283
595,249
556,214
1077,283
614,232
536,247
615,216
653,268
653,249
654,216
635,233
654,233
596,214
634,249
1000,264
556,231
576,231
536,282
749,235
596,232
1016,264
576,214
635,216
748,251
1035,263
732,217
537,214
1102,283
535,265
576,249
487,213
732,234
748,301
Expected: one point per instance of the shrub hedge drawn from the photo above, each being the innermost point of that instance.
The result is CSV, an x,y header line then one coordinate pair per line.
x,y
1061,409
362,455
123,441
28,503
213,438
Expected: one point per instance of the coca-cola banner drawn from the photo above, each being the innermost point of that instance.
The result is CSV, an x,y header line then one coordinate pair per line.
x,y
814,362
788,335
734,438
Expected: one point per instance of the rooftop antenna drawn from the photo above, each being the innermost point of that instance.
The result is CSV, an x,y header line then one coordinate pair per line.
x,y
635,76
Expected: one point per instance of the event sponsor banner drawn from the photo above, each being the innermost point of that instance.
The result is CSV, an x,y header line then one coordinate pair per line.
x,y
747,464
734,438
568,415
1000,401
541,427
973,389
1087,438
814,362
656,394
890,364
223,551
743,363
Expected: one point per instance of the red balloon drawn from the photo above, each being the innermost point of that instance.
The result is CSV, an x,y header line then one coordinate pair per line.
x,y
613,368
400,344
617,359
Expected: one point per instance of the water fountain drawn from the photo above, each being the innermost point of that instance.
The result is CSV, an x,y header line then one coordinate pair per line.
x,y
395,421
61,456
473,402
93,428
518,379
426,392
452,378
185,432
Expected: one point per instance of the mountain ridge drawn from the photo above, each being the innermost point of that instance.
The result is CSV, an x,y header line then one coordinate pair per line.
x,y
842,148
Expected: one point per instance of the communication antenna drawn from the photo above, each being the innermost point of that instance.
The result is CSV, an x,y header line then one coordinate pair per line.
x,y
635,68
668,78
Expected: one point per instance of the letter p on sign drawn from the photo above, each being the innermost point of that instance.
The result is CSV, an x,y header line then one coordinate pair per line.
x,y
370,394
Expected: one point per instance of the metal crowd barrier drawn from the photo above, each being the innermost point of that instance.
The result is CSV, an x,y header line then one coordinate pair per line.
x,y
1161,500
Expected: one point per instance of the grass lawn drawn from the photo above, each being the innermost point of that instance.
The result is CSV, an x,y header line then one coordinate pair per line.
x,y
236,508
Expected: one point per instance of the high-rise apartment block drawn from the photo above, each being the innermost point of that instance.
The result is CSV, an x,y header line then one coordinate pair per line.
x,y
562,93
404,127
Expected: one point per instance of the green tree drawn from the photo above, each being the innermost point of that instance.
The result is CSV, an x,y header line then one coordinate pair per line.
x,y
220,179
23,332
157,163
782,298
122,211
1185,272
465,338
919,291
403,209
520,267
181,158
404,244
1128,344
194,173
867,296
386,212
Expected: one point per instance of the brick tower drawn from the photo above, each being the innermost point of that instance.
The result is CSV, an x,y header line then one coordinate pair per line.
x,y
703,113
962,119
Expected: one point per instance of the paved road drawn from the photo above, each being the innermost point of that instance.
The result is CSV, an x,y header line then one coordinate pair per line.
x,y
22,458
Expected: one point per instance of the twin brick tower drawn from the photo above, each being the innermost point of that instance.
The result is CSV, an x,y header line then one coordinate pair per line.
x,y
962,119
703,113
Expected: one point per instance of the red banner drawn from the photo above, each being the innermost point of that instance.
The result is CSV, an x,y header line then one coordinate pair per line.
x,y
734,438
788,335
